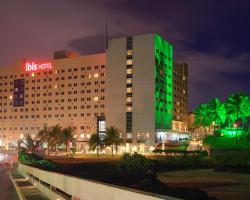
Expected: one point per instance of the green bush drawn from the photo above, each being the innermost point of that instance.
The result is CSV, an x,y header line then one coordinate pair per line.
x,y
217,133
36,161
182,152
136,167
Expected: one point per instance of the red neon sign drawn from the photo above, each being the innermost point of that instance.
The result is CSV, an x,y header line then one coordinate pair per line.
x,y
33,67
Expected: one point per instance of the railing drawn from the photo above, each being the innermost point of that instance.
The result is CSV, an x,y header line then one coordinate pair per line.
x,y
74,188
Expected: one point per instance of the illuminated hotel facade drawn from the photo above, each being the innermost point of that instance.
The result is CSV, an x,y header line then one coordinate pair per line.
x,y
180,96
70,93
130,86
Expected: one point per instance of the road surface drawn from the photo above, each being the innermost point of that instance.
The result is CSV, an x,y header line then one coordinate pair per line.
x,y
7,190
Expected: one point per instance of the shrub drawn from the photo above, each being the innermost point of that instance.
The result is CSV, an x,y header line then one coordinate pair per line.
x,y
181,152
36,161
136,167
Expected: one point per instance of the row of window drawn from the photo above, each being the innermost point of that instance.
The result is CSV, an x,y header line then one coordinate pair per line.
x,y
58,108
180,83
181,111
89,76
81,136
70,115
57,71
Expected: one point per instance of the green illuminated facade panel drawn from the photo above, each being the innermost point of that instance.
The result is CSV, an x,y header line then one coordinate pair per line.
x,y
163,72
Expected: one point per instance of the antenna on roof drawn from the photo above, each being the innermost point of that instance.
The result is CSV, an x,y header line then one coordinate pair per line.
x,y
106,33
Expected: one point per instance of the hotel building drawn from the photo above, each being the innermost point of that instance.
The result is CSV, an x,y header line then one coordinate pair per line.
x,y
69,91
130,86
139,87
180,97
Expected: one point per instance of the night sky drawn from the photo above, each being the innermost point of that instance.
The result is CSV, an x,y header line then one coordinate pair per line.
x,y
212,36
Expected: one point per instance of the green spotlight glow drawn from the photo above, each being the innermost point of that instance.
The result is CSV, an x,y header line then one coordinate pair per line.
x,y
231,132
163,83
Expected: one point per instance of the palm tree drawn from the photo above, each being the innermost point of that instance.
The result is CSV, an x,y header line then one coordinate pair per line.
x,y
55,136
201,116
44,136
66,137
30,144
112,138
238,107
95,142
217,112
50,135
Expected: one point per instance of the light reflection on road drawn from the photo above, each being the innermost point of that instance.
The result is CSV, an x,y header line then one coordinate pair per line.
x,y
7,190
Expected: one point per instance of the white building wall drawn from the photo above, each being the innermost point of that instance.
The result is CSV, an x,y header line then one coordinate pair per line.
x,y
143,86
116,84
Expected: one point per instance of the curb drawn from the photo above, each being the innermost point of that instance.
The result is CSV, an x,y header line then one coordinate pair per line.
x,y
18,189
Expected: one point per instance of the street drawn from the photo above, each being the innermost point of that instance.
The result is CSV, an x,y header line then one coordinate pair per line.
x,y
7,190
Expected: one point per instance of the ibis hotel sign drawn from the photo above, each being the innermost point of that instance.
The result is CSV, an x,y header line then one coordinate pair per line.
x,y
36,66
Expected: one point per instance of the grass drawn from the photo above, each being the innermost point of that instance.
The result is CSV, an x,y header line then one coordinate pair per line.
x,y
83,158
169,163
226,142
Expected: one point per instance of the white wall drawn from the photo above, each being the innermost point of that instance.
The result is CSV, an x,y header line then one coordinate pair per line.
x,y
116,84
144,86
82,189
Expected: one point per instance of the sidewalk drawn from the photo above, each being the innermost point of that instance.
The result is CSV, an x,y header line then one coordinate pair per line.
x,y
25,189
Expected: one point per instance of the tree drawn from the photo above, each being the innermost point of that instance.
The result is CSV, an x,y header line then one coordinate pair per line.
x,y
202,116
112,138
55,136
51,136
66,137
238,108
217,112
44,136
239,105
30,144
95,142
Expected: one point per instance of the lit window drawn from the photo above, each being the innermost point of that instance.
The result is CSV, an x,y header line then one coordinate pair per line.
x,y
129,80
89,76
129,62
129,135
129,90
96,75
11,97
82,135
129,71
75,136
129,108
129,99
32,74
21,136
55,86
96,98
102,125
88,135
129,52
